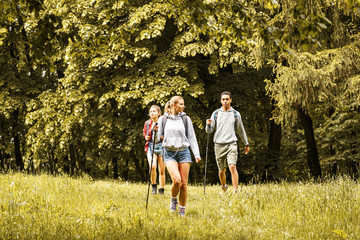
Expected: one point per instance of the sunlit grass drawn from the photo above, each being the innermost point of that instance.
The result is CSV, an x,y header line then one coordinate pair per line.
x,y
46,207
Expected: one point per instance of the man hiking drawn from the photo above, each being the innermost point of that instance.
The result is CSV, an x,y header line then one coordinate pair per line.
x,y
226,122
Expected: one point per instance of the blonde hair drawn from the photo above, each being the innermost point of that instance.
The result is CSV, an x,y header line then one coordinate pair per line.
x,y
157,108
167,108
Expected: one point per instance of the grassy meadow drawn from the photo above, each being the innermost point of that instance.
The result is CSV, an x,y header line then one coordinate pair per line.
x,y
47,207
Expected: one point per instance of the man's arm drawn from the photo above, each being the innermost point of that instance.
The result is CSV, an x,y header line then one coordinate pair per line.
x,y
210,124
240,130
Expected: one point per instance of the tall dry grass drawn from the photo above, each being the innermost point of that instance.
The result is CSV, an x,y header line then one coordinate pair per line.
x,y
46,207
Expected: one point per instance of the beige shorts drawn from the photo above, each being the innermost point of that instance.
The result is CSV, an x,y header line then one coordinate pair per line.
x,y
226,154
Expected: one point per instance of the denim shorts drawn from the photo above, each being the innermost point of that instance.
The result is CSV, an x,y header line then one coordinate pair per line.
x,y
158,149
178,156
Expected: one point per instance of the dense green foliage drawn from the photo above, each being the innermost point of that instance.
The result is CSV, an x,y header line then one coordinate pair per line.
x,y
45,207
78,77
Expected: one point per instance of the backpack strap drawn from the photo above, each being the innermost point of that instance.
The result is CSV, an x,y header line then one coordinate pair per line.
x,y
215,116
235,117
147,127
184,119
163,123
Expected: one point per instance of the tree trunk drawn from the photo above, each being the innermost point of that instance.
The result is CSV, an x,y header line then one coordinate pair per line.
x,y
125,172
72,160
334,168
18,156
143,161
82,162
312,152
354,165
271,167
115,167
1,161
51,162
17,148
354,168
56,166
66,164
139,170
274,144
107,170
331,148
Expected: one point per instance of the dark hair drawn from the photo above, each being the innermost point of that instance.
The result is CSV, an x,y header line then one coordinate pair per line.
x,y
225,93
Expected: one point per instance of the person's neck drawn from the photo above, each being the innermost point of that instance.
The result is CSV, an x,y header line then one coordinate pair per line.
x,y
174,112
226,109
154,119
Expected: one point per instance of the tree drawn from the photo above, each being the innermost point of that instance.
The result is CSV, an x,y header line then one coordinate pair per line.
x,y
134,54
321,60
23,67
83,74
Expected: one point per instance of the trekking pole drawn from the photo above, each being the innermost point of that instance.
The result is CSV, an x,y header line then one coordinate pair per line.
x,y
152,157
206,157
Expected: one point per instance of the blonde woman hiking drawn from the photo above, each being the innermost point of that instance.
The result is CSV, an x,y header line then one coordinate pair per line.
x,y
178,136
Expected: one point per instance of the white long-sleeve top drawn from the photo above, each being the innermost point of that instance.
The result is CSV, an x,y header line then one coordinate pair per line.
x,y
174,134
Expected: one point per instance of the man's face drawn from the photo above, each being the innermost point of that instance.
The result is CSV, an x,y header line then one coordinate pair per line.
x,y
225,101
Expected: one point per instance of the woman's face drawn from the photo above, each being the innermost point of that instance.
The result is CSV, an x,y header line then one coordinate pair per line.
x,y
154,113
179,106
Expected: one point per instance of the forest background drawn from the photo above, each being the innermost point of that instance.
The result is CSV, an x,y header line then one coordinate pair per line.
x,y
77,79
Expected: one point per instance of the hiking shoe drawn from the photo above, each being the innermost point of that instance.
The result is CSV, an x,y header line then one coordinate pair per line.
x,y
173,203
154,189
181,212
224,188
161,191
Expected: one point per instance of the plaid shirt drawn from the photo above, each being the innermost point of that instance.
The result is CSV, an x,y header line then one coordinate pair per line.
x,y
147,131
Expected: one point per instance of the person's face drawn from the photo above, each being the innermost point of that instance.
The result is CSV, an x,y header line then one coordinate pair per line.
x,y
225,101
153,113
179,106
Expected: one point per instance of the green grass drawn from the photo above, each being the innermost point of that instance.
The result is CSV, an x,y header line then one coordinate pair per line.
x,y
46,207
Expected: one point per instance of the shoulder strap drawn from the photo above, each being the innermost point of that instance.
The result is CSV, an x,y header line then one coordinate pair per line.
x,y
235,116
215,116
184,119
163,123
147,126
